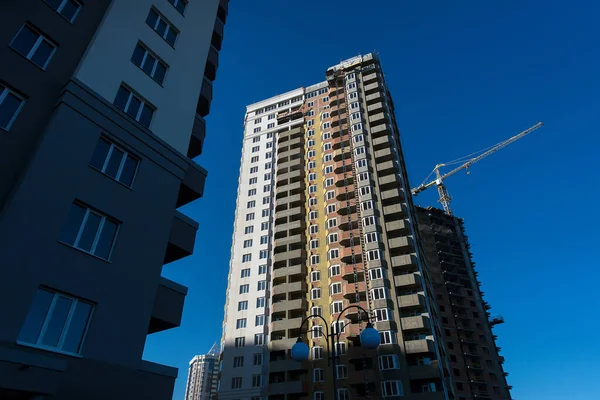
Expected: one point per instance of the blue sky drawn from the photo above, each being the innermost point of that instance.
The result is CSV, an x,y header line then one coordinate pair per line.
x,y
464,75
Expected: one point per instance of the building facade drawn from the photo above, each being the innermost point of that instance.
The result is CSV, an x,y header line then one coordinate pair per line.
x,y
95,160
203,376
325,220
475,363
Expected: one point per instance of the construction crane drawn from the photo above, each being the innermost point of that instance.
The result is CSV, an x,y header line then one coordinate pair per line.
x,y
439,180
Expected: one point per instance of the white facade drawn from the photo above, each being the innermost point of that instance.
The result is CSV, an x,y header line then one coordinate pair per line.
x,y
107,63
258,163
202,376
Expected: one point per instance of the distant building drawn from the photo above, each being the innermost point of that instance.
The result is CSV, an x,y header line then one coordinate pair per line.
x,y
202,376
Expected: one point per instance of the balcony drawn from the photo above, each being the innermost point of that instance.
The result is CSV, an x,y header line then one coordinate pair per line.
x,y
206,94
289,288
400,243
407,280
405,260
381,130
429,396
168,306
371,88
417,322
424,371
29,374
398,210
286,365
282,344
392,195
419,346
287,305
212,63
290,387
217,36
181,239
411,300
197,138
192,186
286,324
289,255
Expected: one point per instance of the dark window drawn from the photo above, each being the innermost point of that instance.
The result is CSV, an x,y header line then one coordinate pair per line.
x,y
10,105
90,231
459,386
34,46
450,345
67,8
134,106
163,27
453,358
115,162
179,5
456,372
447,332
56,321
149,63
444,320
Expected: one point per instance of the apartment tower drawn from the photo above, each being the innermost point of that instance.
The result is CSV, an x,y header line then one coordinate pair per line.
x,y
102,107
325,220
475,364
203,376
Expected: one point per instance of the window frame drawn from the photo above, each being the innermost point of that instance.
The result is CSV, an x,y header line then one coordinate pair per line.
x,y
41,38
4,93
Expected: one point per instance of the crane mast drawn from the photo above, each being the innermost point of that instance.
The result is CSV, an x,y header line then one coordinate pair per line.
x,y
439,180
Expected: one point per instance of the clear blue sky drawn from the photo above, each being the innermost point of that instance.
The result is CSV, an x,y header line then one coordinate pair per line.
x,y
464,75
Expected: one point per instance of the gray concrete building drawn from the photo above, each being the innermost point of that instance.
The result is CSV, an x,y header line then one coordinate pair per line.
x,y
202,377
102,107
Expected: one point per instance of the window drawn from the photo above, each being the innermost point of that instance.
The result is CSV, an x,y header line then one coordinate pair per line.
x,y
350,76
269,135
325,115
312,201
248,229
423,360
255,149
236,382
267,177
315,259
266,213
334,270
134,106
240,341
244,288
310,123
163,27
264,226
258,359
247,243
257,129
391,388
34,46
317,353
260,320
328,157
343,394
333,253
376,273
326,125
382,314
331,223
340,347
327,135
271,116
387,337
317,375
266,200
327,146
249,216
312,189
256,381
366,205
312,176
356,127
354,105
266,188
254,159
313,229
312,164
263,254
315,276
311,153
359,150
328,169
252,181
325,99
251,192
242,305
355,115
379,293
335,288
56,321
329,195
245,273
314,244
269,144
238,362
251,204
336,307
240,323
332,238
313,215
329,182
310,113
260,302
264,239
90,231
317,331
259,339
310,104
361,163
352,85
373,255
255,139
315,293
149,63
318,395
310,132
353,95
262,269
10,106
262,285
369,221
114,162
428,387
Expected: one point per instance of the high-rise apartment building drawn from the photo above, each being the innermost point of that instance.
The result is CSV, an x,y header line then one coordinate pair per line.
x,y
475,364
101,112
203,376
325,220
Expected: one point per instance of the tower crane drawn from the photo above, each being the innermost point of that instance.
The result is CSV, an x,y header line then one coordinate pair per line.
x,y
439,180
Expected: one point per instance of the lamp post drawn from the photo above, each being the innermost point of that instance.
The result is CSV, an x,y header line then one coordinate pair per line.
x,y
369,339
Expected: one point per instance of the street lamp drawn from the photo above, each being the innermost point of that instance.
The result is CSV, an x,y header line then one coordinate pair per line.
x,y
369,339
